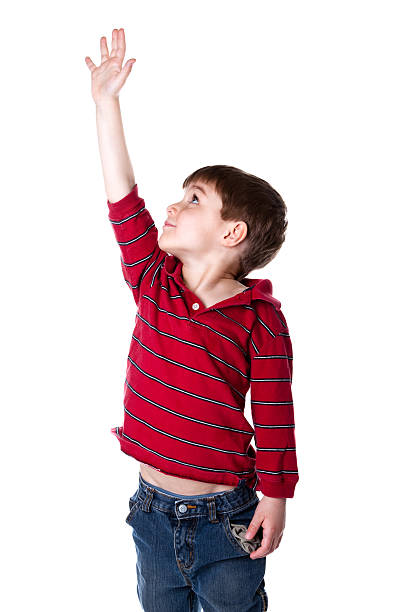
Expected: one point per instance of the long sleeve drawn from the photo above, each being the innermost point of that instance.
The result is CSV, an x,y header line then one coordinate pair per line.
x,y
272,406
136,235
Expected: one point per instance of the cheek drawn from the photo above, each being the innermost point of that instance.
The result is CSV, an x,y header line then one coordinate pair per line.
x,y
196,224
190,222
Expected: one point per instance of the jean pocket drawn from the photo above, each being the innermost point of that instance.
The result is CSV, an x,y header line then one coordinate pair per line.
x,y
134,505
248,545
236,524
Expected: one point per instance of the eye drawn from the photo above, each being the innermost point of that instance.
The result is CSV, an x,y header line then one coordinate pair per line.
x,y
194,197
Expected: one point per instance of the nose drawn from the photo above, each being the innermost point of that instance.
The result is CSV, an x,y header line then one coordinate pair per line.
x,y
172,209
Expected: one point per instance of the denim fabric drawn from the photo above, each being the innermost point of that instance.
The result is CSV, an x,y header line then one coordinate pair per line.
x,y
191,553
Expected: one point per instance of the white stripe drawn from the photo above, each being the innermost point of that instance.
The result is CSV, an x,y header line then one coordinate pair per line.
x,y
287,448
168,435
187,418
272,403
199,346
198,467
129,217
137,237
180,390
271,426
271,380
272,357
188,368
279,472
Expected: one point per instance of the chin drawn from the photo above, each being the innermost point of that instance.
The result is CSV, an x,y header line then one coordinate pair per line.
x,y
163,246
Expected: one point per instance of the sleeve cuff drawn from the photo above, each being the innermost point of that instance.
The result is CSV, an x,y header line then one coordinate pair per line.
x,y
128,204
276,489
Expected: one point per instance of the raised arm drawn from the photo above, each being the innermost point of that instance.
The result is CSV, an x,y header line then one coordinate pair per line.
x,y
134,228
107,80
137,237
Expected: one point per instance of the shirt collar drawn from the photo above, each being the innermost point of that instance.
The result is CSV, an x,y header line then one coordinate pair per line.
x,y
258,288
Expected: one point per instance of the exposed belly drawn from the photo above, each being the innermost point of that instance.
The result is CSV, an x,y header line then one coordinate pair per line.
x,y
182,486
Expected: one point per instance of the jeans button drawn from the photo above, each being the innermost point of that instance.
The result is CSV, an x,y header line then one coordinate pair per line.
x,y
183,508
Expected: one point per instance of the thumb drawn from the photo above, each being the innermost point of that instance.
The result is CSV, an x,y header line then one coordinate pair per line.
x,y
124,73
128,66
252,529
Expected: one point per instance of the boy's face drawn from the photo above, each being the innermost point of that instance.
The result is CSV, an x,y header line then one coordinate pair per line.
x,y
198,229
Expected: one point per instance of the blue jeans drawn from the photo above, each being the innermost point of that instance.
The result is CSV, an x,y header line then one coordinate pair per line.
x,y
191,550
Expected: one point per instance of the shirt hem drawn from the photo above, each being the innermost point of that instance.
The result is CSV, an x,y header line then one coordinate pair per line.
x,y
224,478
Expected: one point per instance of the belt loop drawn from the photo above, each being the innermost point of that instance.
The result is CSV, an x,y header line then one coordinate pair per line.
x,y
146,503
212,510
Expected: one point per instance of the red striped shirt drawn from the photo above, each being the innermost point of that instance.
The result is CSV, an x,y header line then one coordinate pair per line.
x,y
189,368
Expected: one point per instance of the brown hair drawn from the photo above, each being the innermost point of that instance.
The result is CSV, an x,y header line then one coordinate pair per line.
x,y
247,198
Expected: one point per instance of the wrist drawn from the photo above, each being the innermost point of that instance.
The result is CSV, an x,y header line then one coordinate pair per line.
x,y
107,103
275,499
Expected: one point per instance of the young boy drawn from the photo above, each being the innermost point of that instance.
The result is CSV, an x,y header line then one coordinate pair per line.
x,y
205,333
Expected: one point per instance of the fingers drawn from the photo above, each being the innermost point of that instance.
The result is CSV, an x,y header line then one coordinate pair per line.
x,y
104,49
124,73
128,66
118,51
270,542
90,64
114,42
265,547
253,526
120,44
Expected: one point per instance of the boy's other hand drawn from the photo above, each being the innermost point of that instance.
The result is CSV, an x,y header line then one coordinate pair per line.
x,y
271,514
109,78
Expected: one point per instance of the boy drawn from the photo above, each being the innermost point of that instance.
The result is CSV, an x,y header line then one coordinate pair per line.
x,y
204,334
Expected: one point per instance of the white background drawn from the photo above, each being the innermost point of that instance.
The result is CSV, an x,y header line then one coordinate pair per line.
x,y
310,96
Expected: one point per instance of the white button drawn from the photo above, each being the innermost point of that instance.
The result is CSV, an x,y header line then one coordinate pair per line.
x,y
183,508
196,305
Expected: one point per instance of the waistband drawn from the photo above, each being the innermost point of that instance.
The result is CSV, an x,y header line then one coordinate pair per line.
x,y
188,506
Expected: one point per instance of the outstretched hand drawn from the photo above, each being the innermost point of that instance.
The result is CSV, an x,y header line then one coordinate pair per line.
x,y
109,77
270,513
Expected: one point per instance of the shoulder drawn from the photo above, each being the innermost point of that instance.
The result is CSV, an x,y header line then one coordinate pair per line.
x,y
270,317
270,333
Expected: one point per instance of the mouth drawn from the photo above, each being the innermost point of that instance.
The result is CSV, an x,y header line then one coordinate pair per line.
x,y
168,224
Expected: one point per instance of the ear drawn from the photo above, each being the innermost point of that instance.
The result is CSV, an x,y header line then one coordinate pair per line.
x,y
235,233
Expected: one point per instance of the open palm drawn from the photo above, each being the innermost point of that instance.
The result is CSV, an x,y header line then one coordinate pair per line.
x,y
109,77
